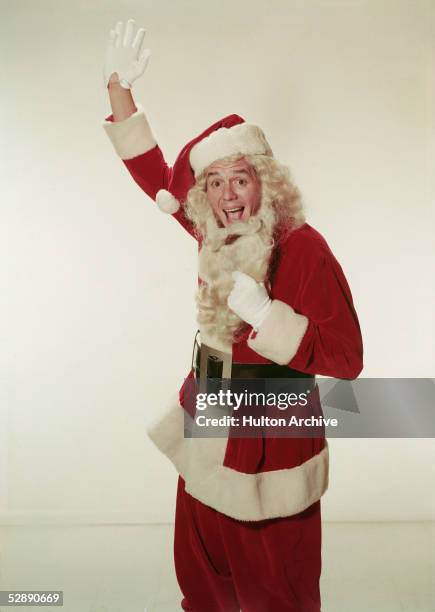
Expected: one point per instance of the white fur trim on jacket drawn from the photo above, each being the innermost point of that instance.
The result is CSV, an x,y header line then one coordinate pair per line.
x,y
131,137
245,497
279,336
243,138
166,202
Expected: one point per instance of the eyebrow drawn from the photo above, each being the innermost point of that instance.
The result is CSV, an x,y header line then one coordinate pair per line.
x,y
241,171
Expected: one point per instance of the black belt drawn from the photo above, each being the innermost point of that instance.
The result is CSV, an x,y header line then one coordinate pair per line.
x,y
250,370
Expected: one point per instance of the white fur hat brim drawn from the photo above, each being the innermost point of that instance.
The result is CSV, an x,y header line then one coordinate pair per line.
x,y
244,138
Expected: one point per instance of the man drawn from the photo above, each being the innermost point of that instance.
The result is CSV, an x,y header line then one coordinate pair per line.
x,y
272,302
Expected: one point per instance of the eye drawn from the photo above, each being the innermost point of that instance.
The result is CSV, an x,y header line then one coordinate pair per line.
x,y
215,183
242,182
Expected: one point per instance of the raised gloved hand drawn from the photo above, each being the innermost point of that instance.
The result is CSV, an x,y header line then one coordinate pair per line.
x,y
123,54
249,299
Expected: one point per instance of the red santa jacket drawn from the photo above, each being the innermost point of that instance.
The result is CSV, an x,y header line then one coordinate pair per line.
x,y
312,327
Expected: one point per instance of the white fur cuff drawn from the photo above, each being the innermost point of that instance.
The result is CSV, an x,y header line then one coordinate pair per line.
x,y
131,137
280,334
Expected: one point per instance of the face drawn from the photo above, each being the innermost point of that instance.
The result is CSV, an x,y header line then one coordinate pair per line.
x,y
233,191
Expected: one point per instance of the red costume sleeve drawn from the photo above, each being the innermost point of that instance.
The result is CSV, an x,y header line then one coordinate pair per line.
x,y
312,325
152,173
332,343
148,169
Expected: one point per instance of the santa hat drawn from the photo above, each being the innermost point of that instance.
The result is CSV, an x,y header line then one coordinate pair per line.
x,y
226,137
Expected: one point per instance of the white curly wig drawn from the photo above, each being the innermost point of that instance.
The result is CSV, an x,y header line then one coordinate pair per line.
x,y
246,246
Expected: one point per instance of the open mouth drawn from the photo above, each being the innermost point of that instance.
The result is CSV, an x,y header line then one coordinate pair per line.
x,y
234,214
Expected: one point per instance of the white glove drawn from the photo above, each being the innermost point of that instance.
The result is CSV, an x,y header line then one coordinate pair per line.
x,y
249,299
123,54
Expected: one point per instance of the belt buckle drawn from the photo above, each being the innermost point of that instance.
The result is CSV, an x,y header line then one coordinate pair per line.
x,y
227,360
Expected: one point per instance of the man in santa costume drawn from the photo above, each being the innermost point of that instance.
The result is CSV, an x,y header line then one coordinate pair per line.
x,y
272,302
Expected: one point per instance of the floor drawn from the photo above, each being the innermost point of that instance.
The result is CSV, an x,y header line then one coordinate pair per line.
x,y
367,567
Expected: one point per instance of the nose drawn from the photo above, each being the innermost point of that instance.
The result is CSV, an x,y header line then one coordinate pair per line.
x,y
229,193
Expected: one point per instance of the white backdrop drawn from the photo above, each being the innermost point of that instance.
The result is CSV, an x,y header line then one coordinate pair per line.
x,y
101,285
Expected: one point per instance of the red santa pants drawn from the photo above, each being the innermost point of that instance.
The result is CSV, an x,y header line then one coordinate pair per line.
x,y
224,565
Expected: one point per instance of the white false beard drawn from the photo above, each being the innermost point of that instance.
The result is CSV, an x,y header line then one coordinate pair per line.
x,y
245,246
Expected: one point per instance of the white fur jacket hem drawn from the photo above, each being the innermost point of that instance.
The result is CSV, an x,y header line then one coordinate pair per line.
x,y
246,497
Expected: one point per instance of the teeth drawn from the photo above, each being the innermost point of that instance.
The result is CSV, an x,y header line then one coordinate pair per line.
x,y
234,209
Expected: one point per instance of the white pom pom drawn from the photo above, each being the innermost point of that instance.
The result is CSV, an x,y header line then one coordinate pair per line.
x,y
166,202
